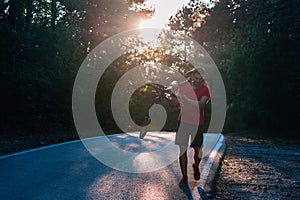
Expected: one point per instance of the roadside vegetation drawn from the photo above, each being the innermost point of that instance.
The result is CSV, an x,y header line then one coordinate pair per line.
x,y
255,45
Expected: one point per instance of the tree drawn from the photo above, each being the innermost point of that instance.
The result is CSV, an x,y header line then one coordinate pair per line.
x,y
252,49
43,44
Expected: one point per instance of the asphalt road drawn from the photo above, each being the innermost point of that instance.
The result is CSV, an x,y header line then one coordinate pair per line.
x,y
70,171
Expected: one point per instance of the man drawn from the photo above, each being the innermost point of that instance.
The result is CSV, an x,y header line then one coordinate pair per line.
x,y
192,98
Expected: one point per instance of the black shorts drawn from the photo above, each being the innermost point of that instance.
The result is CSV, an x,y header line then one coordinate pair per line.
x,y
185,131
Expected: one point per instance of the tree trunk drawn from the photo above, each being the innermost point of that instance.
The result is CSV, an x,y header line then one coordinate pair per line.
x,y
29,7
53,13
297,22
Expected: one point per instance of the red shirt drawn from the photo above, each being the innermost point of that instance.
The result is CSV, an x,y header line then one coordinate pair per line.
x,y
192,113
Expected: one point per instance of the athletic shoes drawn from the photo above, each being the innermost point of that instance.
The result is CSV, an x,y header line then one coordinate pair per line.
x,y
196,172
143,132
183,181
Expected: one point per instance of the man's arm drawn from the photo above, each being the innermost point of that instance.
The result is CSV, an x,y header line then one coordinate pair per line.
x,y
201,103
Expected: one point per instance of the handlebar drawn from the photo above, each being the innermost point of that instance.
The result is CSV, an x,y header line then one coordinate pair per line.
x,y
162,91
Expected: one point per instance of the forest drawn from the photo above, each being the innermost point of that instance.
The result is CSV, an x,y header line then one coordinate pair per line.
x,y
254,43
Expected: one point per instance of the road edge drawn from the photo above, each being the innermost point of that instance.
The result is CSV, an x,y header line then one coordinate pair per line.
x,y
217,155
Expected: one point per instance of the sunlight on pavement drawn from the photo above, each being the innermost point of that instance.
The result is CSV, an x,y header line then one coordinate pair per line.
x,y
153,192
128,153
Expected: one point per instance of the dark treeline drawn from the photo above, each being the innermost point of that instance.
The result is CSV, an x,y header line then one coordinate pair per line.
x,y
254,43
261,66
43,43
256,46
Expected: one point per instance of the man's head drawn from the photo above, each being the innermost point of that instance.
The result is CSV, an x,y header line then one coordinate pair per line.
x,y
196,77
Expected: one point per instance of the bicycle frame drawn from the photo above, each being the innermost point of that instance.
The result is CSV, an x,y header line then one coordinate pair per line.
x,y
161,92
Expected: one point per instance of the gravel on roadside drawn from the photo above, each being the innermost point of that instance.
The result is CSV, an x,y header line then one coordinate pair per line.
x,y
259,169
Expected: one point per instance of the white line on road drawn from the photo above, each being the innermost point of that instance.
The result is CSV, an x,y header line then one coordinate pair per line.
x,y
36,149
208,164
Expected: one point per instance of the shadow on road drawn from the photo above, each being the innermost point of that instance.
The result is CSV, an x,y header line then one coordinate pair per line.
x,y
187,191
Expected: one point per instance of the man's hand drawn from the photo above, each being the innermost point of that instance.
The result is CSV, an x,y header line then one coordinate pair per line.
x,y
200,103
203,101
174,87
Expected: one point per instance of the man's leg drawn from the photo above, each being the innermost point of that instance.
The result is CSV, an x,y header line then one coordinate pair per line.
x,y
183,164
197,142
197,155
197,159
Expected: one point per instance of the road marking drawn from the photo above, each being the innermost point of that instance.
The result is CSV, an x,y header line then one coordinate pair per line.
x,y
208,164
36,149
45,147
9,155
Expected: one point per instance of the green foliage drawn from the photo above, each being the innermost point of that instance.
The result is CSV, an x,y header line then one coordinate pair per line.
x,y
255,44
42,46
260,68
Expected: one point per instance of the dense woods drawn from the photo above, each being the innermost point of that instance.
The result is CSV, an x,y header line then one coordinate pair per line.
x,y
255,44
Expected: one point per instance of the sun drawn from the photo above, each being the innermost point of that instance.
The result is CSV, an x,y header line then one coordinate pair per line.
x,y
164,9
154,22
